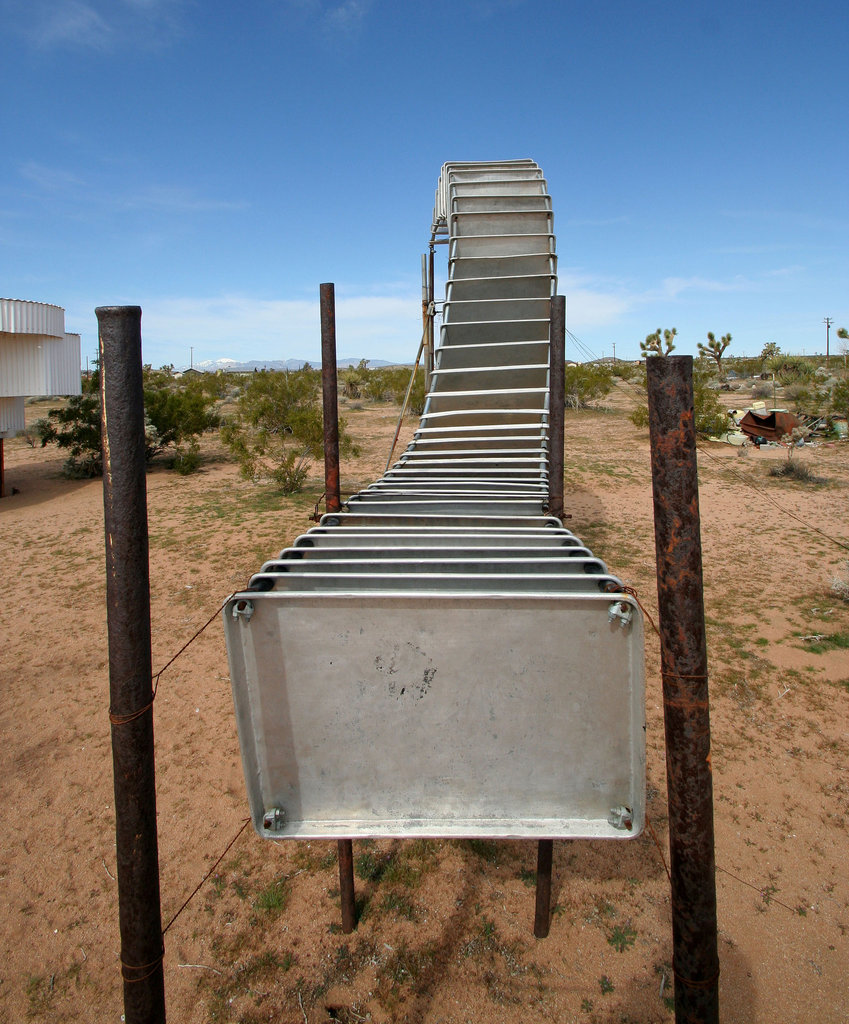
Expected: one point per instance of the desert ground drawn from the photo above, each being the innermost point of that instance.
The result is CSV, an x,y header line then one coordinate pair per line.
x,y
445,930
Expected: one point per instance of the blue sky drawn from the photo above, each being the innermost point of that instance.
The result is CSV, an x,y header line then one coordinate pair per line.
x,y
214,163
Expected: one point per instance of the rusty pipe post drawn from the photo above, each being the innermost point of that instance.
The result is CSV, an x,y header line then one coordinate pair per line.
x,y
130,682
685,687
556,404
332,493
333,501
345,849
431,332
542,913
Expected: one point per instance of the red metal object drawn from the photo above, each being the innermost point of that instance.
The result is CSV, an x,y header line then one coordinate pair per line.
x,y
771,426
685,687
130,682
332,495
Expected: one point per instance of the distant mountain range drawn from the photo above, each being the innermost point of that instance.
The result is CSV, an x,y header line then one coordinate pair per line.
x,y
233,366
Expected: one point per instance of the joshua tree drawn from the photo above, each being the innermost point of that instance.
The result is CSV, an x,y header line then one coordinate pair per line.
x,y
769,351
660,343
714,349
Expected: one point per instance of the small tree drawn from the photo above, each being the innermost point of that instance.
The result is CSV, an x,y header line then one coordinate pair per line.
x,y
769,351
658,344
174,414
277,429
714,349
76,427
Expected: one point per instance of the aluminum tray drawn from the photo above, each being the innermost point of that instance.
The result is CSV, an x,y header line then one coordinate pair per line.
x,y
476,715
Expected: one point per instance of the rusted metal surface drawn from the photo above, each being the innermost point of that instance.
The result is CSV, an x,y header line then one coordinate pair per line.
x,y
130,689
332,494
346,885
685,687
542,914
771,426
556,404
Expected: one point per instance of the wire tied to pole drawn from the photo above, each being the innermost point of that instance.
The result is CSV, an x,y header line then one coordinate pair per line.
x,y
131,716
150,968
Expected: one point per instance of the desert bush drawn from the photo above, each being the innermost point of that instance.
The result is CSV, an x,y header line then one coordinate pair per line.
x,y
586,383
840,397
75,427
174,413
277,429
186,458
353,379
840,583
792,469
790,369
626,371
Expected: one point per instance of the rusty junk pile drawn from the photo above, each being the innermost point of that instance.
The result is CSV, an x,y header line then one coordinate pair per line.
x,y
441,656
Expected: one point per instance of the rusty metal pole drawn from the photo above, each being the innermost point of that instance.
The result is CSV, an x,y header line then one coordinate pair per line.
x,y
332,493
431,333
556,427
130,684
685,688
542,913
556,404
333,502
346,885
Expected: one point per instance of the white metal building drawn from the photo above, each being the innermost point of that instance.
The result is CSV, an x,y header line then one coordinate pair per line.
x,y
37,357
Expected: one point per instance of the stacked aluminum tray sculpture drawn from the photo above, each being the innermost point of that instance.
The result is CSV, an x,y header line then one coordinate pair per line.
x,y
442,658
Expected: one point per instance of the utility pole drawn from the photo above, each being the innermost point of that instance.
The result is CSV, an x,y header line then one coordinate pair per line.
x,y
191,357
614,353
828,322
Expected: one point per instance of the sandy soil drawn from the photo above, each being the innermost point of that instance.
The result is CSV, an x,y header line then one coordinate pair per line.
x,y
446,927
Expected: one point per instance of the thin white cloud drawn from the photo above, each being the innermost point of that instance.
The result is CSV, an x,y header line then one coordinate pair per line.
x,y
346,17
241,327
175,200
674,287
50,179
72,23
102,25
337,19
64,185
592,302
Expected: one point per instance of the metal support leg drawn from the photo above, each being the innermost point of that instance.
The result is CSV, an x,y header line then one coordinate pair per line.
x,y
332,494
542,915
346,885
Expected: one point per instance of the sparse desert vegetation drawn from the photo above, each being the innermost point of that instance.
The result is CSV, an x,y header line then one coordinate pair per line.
x,y
445,927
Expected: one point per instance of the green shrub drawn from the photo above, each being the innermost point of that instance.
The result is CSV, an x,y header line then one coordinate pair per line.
x,y
586,383
278,430
174,413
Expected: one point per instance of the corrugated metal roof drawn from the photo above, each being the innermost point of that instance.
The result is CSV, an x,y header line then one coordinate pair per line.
x,y
19,316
